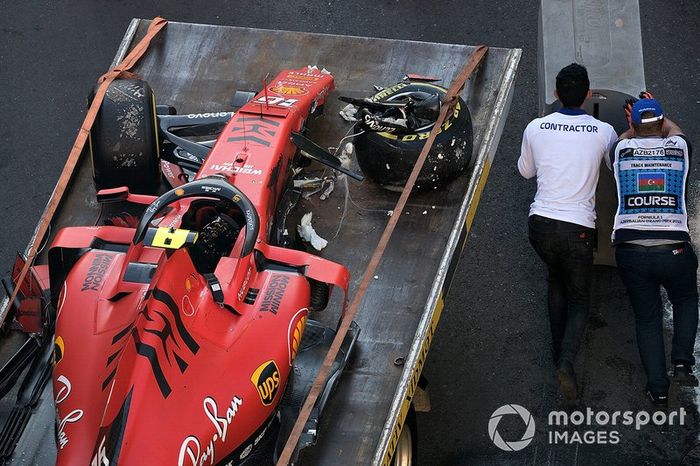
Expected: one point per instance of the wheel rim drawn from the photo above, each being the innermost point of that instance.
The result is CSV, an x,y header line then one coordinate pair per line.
x,y
400,95
404,449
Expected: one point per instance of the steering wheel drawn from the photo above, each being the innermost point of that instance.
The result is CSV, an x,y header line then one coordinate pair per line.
x,y
214,187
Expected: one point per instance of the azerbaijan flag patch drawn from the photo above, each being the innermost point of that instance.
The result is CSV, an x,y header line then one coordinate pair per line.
x,y
651,182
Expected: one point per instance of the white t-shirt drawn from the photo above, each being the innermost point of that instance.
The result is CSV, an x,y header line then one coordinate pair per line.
x,y
564,150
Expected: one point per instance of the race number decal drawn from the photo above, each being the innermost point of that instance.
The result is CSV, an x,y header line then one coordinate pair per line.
x,y
280,101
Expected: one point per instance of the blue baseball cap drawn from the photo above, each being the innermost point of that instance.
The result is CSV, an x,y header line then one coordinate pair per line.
x,y
646,105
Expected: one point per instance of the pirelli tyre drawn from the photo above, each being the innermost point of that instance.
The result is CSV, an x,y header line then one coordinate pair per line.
x,y
388,159
124,146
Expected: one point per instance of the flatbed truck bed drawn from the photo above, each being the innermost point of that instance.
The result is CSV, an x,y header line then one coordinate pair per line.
x,y
198,68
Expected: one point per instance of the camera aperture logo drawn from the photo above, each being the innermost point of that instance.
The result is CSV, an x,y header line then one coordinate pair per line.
x,y
581,426
517,444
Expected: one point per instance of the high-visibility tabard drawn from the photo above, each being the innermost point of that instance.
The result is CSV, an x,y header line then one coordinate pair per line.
x,y
651,176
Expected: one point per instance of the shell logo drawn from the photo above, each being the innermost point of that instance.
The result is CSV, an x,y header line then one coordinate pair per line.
x,y
296,332
288,90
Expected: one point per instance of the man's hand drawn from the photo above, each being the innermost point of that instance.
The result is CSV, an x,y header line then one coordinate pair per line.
x,y
628,110
631,101
668,129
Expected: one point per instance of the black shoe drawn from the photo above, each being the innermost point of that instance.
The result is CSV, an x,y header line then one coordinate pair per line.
x,y
660,400
567,382
683,375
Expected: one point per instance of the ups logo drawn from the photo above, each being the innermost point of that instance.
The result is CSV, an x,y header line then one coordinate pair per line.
x,y
266,379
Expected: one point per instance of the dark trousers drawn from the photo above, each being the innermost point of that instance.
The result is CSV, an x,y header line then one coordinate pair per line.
x,y
567,250
643,270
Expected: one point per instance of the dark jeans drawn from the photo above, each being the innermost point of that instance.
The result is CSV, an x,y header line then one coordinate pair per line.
x,y
642,270
567,250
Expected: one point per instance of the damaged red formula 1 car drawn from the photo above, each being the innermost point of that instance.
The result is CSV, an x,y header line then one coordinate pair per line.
x,y
181,331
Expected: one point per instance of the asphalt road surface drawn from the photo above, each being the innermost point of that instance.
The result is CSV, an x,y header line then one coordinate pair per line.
x,y
492,346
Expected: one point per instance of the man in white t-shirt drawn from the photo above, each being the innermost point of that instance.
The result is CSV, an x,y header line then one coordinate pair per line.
x,y
563,150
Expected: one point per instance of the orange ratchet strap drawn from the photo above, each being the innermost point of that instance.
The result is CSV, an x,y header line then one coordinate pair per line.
x,y
119,71
447,105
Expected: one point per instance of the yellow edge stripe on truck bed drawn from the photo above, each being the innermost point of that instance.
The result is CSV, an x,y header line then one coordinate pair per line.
x,y
437,313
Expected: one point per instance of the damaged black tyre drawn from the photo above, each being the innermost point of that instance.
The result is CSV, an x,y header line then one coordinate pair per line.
x,y
124,138
388,159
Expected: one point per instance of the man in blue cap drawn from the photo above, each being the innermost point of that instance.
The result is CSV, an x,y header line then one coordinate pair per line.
x,y
650,163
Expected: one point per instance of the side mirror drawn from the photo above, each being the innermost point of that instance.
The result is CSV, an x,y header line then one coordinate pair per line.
x,y
113,195
122,194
